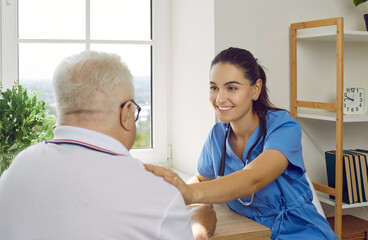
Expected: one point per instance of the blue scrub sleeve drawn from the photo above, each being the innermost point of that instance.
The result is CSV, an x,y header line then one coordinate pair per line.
x,y
205,162
286,138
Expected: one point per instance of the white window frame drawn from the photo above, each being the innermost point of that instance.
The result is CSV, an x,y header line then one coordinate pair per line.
x,y
160,71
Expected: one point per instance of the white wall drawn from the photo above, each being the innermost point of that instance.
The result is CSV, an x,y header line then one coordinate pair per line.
x,y
192,52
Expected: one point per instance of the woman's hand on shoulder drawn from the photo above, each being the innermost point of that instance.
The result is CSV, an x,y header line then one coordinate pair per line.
x,y
173,178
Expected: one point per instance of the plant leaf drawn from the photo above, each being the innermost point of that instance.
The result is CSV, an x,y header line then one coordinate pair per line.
x,y
357,2
23,122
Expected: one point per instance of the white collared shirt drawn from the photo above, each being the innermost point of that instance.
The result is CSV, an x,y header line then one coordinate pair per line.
x,y
63,191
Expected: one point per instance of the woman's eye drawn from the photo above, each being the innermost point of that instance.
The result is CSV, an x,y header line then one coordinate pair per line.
x,y
232,88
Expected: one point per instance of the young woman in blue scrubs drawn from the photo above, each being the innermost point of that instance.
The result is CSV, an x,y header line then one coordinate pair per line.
x,y
263,174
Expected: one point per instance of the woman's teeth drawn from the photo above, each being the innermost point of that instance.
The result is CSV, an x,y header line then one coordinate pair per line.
x,y
224,108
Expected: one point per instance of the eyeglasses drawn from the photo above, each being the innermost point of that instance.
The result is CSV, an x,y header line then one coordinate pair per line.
x,y
137,108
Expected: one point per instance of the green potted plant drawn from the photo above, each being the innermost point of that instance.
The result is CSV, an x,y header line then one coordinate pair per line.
x,y
358,2
23,122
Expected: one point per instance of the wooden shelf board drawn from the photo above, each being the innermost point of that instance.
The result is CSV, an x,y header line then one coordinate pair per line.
x,y
349,36
331,116
327,200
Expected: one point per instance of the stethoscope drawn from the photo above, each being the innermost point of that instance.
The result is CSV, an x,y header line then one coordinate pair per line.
x,y
222,162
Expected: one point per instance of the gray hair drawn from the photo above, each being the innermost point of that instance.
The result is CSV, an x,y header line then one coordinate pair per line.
x,y
91,85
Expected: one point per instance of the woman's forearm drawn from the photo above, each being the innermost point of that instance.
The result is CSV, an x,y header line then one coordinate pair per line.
x,y
243,183
224,189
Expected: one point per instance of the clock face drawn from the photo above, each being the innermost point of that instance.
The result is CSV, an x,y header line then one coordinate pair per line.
x,y
354,100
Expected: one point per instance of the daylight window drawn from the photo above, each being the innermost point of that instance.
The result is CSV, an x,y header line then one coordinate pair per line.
x,y
50,30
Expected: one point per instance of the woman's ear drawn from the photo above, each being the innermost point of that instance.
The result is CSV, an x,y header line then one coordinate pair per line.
x,y
257,89
127,116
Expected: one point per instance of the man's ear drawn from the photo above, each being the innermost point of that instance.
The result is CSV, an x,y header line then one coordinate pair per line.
x,y
257,89
127,116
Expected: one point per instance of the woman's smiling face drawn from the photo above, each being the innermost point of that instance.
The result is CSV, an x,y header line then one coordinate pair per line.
x,y
231,93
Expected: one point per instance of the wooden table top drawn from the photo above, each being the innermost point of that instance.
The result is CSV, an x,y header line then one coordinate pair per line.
x,y
231,225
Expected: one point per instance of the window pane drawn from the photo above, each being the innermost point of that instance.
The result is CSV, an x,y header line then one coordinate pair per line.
x,y
138,59
37,63
51,19
121,19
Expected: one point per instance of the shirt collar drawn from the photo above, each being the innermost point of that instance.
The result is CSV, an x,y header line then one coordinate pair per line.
x,y
91,137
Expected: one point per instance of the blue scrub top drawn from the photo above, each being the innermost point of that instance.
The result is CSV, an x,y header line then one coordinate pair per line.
x,y
285,205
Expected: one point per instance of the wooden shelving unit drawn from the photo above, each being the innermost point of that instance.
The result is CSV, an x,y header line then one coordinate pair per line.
x,y
327,111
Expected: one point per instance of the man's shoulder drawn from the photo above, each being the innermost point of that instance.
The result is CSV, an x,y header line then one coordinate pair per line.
x,y
30,151
149,180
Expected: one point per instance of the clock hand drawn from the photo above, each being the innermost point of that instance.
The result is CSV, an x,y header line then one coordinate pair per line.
x,y
351,99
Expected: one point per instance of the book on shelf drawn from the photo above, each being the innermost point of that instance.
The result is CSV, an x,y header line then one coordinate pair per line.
x,y
362,158
347,195
353,178
355,174
358,175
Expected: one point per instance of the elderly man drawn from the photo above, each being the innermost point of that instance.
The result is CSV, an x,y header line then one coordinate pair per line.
x,y
84,184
